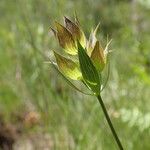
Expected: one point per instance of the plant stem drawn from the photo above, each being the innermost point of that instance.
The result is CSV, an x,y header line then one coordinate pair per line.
x,y
109,122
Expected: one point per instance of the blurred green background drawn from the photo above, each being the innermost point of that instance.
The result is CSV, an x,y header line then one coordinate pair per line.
x,y
72,120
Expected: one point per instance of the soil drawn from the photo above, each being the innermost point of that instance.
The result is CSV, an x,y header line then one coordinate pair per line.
x,y
13,136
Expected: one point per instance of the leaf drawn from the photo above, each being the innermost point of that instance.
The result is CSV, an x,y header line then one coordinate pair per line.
x,y
89,72
67,80
68,67
65,39
76,32
97,56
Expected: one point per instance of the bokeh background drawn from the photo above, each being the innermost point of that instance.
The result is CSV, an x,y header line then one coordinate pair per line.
x,y
38,110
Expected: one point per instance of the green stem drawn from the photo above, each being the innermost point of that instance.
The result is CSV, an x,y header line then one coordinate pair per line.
x,y
109,122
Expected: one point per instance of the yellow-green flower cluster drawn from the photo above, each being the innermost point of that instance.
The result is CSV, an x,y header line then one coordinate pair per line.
x,y
69,35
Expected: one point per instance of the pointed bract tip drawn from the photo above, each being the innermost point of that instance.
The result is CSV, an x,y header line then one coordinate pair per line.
x,y
106,47
76,19
96,29
53,30
67,19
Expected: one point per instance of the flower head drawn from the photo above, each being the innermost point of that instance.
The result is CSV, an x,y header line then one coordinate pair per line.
x,y
92,57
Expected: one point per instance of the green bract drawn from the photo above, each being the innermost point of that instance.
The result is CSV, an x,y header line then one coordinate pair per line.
x,y
89,72
65,39
91,57
68,67
97,56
